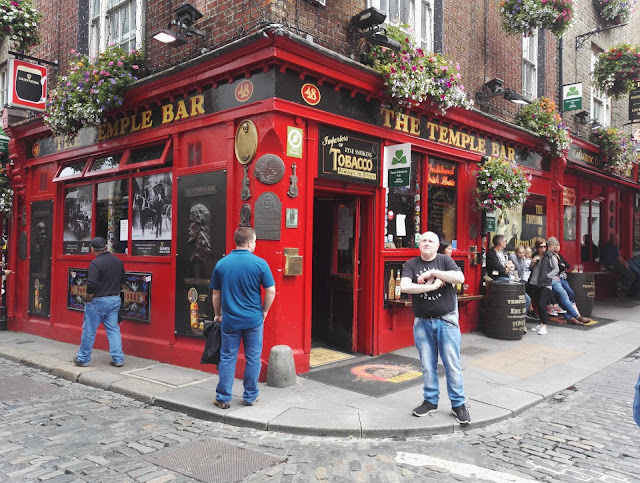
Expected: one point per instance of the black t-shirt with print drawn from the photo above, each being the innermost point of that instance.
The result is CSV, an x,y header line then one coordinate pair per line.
x,y
439,302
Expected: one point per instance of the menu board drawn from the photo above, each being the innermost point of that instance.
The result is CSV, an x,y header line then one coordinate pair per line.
x,y
441,212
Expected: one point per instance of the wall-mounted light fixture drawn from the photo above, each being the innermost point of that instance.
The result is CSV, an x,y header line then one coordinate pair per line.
x,y
369,21
595,124
582,116
186,17
495,88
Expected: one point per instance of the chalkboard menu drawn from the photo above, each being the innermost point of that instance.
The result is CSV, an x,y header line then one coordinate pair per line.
x,y
441,210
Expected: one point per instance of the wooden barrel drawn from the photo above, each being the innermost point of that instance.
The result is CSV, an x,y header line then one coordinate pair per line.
x,y
505,310
584,287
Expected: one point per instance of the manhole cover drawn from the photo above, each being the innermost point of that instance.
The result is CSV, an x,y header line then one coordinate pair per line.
x,y
472,351
20,387
212,461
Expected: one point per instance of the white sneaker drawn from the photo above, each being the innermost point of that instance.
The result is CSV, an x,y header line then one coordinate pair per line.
x,y
552,311
543,330
559,309
537,328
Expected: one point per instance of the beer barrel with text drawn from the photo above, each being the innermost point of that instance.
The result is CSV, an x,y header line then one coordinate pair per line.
x,y
505,310
584,287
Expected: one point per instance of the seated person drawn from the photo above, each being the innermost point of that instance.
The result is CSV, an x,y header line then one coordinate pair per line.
x,y
497,259
611,258
584,250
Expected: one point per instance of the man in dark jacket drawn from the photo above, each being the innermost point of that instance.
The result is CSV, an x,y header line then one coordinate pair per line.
x,y
497,259
104,284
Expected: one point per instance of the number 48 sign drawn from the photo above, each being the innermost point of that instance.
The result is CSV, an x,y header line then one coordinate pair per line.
x,y
310,94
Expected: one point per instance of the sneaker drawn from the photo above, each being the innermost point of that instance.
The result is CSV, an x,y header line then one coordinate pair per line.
x,y
462,414
559,309
117,364
543,330
532,315
221,405
255,401
537,328
552,311
425,408
79,363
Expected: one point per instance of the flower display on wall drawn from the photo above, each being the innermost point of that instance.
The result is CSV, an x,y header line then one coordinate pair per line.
x,y
502,185
413,76
92,88
19,22
524,16
617,152
613,12
542,117
617,70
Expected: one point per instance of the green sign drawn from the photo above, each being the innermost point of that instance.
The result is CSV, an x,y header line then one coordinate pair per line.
x,y
399,177
490,222
572,97
294,142
4,144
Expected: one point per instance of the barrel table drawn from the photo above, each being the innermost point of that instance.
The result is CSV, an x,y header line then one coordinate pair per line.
x,y
584,287
505,310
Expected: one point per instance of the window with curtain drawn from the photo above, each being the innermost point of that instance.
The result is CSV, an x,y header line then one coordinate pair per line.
x,y
600,103
530,66
418,14
115,22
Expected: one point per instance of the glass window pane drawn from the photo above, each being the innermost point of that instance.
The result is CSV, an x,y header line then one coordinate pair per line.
x,y
124,22
77,219
442,199
149,153
72,169
106,162
151,228
111,210
404,202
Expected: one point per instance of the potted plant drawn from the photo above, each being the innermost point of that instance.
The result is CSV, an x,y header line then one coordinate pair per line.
x,y
413,76
617,70
542,117
19,22
502,185
617,152
93,87
524,16
613,12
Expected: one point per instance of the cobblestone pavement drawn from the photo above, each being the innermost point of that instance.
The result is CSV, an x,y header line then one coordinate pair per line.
x,y
57,431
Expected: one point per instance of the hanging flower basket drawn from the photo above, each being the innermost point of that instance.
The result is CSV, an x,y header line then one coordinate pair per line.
x,y
92,88
524,16
613,12
542,117
617,70
617,152
19,22
413,76
502,185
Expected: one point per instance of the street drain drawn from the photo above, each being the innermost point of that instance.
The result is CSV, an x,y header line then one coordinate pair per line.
x,y
212,461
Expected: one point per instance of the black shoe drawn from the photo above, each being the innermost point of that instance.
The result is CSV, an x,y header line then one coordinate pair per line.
x,y
221,405
79,363
117,364
425,408
255,401
532,315
462,414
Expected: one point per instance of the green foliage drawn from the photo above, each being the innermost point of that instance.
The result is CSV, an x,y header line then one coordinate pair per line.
x,y
617,70
542,117
613,12
524,16
502,184
19,22
617,152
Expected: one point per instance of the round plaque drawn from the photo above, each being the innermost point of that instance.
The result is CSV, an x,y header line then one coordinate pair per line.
x,y
192,295
246,141
269,169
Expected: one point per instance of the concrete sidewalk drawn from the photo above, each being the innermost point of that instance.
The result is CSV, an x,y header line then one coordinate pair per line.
x,y
502,379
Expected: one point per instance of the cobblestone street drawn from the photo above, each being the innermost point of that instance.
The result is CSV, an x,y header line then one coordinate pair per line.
x,y
58,431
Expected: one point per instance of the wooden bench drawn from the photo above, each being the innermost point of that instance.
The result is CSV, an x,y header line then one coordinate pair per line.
x,y
605,283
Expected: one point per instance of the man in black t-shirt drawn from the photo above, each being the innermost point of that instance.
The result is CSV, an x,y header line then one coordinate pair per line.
x,y
430,278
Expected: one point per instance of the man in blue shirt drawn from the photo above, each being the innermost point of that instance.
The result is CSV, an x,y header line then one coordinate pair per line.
x,y
237,302
611,258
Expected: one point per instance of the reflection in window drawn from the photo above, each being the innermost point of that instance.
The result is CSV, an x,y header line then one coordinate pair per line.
x,y
77,219
404,203
112,213
441,208
590,230
106,162
149,153
72,170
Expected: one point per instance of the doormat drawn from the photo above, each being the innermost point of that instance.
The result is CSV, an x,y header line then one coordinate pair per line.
x,y
597,322
320,356
377,376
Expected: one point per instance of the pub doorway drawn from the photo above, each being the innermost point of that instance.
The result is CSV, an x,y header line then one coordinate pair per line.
x,y
342,267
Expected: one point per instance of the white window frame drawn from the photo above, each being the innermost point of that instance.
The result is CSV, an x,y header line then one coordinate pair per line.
x,y
418,14
102,12
530,66
4,84
600,103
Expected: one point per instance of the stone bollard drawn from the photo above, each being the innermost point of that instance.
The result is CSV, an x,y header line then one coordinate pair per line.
x,y
281,371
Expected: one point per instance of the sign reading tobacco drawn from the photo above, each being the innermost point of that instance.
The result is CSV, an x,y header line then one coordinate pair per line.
x,y
348,156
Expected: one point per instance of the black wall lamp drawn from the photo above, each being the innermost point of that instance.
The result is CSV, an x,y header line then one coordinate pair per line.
x,y
582,116
369,21
595,124
186,17
495,88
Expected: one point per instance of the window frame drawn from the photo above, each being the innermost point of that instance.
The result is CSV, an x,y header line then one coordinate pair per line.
x,y
100,37
414,19
530,64
599,98
57,178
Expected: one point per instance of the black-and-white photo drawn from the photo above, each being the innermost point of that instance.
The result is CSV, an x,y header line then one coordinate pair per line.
x,y
77,214
152,207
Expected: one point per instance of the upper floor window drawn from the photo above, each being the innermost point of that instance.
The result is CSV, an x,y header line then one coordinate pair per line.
x,y
600,103
115,22
418,14
3,88
530,66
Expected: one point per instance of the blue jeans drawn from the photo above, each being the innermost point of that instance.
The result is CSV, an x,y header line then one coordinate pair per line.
x,y
252,341
563,299
636,404
433,336
101,310
567,288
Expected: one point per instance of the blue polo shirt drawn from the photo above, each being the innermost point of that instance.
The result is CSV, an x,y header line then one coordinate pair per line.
x,y
240,276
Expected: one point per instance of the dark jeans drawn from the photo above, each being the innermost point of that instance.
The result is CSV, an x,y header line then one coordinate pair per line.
x,y
625,278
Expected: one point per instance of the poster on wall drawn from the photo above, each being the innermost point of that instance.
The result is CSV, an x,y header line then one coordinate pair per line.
x,y
569,224
510,224
151,228
40,258
77,220
534,219
201,230
137,294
